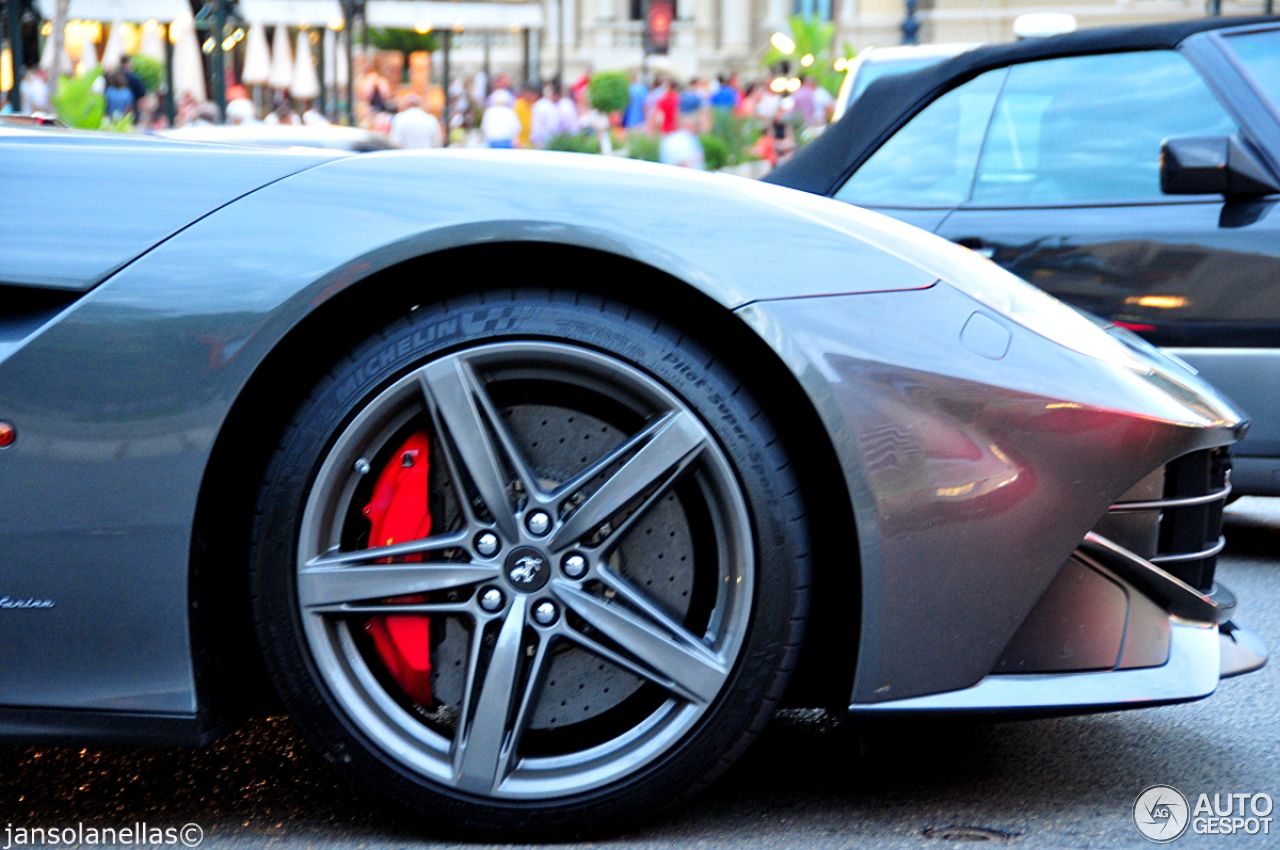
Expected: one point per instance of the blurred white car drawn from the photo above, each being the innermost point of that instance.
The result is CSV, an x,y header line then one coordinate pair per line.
x,y
872,63
329,136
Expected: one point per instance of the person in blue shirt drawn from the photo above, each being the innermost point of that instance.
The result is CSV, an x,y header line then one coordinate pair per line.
x,y
119,99
638,92
726,95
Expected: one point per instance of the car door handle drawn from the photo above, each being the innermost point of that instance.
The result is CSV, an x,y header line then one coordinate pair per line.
x,y
977,246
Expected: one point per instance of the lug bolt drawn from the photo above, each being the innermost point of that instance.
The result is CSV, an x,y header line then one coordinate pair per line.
x,y
538,523
574,566
363,467
491,599
544,614
487,544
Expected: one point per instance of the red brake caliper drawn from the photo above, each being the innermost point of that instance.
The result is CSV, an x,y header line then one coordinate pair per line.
x,y
398,512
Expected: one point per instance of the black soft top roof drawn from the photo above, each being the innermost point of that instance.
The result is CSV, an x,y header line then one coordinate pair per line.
x,y
823,165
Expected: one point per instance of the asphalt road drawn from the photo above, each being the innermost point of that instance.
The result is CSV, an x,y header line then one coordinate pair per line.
x,y
809,782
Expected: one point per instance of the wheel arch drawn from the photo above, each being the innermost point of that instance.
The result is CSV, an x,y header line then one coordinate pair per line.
x,y
230,680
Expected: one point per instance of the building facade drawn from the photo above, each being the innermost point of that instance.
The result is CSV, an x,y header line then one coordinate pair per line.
x,y
721,36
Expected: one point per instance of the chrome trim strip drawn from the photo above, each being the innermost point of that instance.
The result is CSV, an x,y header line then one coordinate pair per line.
x,y
1190,673
1165,504
1190,556
1175,595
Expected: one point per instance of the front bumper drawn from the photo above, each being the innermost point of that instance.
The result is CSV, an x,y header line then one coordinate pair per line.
x,y
1159,657
1134,618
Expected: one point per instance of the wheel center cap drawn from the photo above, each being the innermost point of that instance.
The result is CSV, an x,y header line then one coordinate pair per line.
x,y
527,569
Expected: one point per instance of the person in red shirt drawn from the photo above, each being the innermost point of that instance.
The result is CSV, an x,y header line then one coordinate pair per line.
x,y
667,109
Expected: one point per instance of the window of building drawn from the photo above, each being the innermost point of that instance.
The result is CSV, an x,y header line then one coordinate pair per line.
x,y
820,9
639,7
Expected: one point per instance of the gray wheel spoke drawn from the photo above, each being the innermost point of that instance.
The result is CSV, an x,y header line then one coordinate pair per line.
x,y
668,653
630,664
435,543
406,608
619,532
669,446
487,733
462,412
636,599
328,586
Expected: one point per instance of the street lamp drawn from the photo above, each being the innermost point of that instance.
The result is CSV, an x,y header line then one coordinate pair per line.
x,y
14,10
350,10
911,25
214,17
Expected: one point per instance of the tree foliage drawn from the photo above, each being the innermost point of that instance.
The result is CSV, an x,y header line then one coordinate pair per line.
x,y
812,38
607,91
149,69
403,41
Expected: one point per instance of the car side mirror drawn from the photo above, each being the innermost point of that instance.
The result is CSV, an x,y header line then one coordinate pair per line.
x,y
1212,165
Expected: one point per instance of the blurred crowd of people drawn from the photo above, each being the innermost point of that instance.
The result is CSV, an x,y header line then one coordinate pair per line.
x,y
499,116
495,114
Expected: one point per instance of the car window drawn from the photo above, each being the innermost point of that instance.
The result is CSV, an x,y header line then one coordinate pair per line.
x,y
1087,129
930,161
1259,52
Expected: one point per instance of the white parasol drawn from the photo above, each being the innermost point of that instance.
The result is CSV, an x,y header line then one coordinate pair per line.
x,y
281,59
88,52
188,67
306,84
257,57
46,58
152,43
115,46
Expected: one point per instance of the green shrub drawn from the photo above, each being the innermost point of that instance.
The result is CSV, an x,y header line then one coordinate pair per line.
x,y
738,134
77,104
574,143
643,146
123,124
714,151
607,91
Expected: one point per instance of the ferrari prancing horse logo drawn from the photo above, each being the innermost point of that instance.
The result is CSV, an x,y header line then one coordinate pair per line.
x,y
526,569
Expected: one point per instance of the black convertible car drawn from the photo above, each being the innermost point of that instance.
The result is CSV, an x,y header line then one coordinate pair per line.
x,y
532,483
1132,172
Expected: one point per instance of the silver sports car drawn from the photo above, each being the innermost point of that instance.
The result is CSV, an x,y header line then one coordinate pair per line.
x,y
531,484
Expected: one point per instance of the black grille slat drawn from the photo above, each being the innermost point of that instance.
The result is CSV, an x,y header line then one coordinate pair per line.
x,y
1183,531
1194,528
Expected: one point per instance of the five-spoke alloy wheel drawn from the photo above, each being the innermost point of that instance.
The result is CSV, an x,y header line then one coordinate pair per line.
x,y
587,583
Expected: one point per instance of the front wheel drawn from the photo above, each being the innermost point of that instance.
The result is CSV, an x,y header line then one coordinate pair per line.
x,y
530,567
